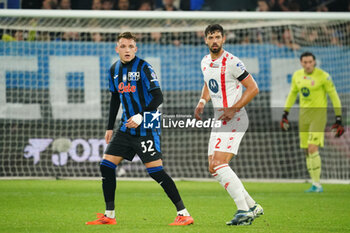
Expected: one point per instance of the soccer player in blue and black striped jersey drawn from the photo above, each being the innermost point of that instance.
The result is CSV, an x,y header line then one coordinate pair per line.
x,y
135,86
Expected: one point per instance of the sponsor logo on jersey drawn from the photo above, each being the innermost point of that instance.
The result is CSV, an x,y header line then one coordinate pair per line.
x,y
124,77
115,76
154,76
126,88
216,96
305,91
241,66
213,65
213,85
133,76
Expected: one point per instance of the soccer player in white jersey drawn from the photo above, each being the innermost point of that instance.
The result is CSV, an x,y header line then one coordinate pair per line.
x,y
224,78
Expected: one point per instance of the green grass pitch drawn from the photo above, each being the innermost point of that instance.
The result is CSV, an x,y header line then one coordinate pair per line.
x,y
142,206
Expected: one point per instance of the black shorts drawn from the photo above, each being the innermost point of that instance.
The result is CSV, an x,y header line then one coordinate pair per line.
x,y
127,146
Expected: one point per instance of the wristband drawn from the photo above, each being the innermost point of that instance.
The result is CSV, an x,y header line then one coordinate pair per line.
x,y
203,101
137,118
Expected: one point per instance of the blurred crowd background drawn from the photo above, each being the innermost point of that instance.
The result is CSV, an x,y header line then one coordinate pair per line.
x,y
184,5
322,35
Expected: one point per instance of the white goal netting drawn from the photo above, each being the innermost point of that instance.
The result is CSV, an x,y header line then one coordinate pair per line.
x,y
54,96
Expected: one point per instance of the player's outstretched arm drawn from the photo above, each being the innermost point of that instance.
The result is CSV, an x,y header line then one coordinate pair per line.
x,y
337,127
113,111
292,96
251,91
205,97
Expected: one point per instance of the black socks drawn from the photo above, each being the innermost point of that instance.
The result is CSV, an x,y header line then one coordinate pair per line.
x,y
109,183
159,175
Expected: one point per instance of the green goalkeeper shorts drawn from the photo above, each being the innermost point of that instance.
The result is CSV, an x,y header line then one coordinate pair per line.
x,y
311,129
306,138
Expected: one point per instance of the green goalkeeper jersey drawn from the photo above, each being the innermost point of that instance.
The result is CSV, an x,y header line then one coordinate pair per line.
x,y
313,89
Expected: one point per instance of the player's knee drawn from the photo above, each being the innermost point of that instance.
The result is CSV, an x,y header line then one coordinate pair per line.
x,y
157,173
312,149
160,176
214,163
211,170
112,158
107,169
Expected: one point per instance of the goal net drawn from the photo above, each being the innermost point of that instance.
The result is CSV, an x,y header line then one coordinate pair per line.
x,y
54,97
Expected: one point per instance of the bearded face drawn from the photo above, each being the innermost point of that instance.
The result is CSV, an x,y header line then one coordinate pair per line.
x,y
215,40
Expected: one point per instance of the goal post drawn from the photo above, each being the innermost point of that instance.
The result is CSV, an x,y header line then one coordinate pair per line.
x,y
54,97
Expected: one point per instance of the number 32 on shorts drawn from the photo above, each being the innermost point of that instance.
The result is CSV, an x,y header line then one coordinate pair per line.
x,y
147,146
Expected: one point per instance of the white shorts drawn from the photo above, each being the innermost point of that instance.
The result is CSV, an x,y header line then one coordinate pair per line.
x,y
228,137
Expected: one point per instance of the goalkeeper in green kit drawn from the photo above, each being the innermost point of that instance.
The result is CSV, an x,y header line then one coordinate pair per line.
x,y
313,85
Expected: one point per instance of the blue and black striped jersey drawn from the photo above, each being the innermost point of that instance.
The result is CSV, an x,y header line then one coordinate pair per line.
x,y
133,81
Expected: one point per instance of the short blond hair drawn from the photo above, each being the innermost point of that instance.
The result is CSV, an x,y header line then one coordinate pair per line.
x,y
126,35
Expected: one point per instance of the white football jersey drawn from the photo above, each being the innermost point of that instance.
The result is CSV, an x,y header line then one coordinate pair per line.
x,y
223,77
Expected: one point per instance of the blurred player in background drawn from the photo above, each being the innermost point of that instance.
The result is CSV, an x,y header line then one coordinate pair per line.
x,y
224,76
134,84
313,85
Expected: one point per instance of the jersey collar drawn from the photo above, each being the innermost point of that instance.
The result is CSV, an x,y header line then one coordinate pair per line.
x,y
130,63
213,60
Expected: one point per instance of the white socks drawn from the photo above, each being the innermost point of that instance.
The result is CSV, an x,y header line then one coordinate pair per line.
x,y
183,212
110,213
229,180
317,184
250,201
